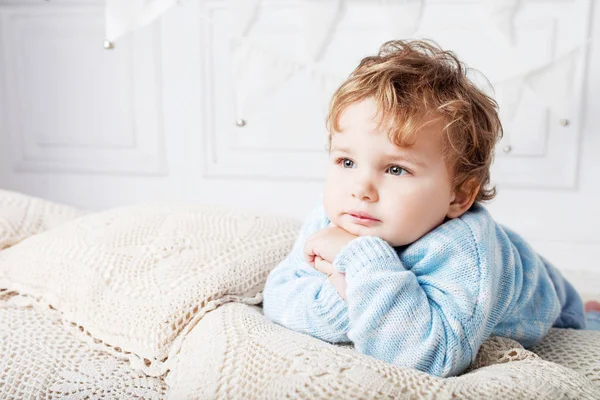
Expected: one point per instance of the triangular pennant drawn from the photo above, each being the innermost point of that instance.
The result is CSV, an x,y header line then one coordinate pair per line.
x,y
402,17
123,16
119,17
243,13
501,14
320,20
508,95
256,75
328,83
154,8
553,83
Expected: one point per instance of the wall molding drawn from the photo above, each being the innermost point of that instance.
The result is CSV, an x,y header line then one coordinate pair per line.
x,y
546,160
138,148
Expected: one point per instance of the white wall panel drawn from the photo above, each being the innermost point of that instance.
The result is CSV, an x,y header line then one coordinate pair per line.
x,y
72,106
284,99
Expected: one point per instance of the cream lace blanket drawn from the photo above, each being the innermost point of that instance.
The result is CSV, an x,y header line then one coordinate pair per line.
x,y
235,353
121,302
23,216
43,357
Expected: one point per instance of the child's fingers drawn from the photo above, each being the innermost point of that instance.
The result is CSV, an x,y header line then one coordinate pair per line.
x,y
309,254
323,266
338,280
310,258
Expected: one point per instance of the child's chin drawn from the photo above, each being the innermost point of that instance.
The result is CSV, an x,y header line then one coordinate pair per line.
x,y
353,229
393,241
361,230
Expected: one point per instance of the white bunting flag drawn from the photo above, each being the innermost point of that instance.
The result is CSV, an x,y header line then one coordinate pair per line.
x,y
123,16
244,14
553,83
402,17
501,14
320,20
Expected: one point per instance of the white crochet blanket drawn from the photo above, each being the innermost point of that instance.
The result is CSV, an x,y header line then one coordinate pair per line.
x,y
155,302
43,357
236,353
23,216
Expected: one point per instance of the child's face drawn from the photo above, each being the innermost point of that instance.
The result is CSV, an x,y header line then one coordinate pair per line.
x,y
406,191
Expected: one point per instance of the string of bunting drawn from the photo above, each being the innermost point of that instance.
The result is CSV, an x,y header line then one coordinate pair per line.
x,y
258,71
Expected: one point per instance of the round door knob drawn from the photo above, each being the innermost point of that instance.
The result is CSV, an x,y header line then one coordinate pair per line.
x,y
564,122
507,149
240,122
108,45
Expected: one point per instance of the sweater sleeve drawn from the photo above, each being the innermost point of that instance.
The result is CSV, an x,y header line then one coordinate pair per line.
x,y
405,319
303,299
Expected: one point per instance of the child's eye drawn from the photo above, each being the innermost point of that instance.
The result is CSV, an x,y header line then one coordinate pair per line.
x,y
396,170
345,162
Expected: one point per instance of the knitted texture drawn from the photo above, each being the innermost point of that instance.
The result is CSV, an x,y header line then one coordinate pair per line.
x,y
22,216
231,352
429,305
42,357
575,349
137,279
236,353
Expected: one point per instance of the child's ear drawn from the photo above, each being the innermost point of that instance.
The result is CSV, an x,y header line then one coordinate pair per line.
x,y
464,197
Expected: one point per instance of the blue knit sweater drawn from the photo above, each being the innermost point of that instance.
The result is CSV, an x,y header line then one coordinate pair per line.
x,y
428,305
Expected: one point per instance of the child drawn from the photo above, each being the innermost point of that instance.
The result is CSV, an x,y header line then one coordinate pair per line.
x,y
400,257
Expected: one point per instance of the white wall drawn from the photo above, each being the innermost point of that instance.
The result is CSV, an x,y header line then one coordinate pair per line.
x,y
561,224
564,225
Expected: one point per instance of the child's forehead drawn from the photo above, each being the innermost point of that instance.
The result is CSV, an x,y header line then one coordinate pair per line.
x,y
356,140
402,126
427,137
364,113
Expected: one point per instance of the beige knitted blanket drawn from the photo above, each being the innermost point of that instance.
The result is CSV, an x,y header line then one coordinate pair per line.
x,y
22,216
236,353
156,302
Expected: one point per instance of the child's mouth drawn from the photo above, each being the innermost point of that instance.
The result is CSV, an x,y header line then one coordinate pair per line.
x,y
363,219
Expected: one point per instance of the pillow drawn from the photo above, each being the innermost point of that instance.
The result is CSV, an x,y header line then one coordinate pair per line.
x,y
137,279
22,216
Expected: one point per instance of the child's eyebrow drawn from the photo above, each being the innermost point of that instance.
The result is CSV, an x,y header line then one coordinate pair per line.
x,y
386,156
405,157
340,148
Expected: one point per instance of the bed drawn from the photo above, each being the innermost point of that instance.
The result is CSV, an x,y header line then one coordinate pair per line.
x,y
160,301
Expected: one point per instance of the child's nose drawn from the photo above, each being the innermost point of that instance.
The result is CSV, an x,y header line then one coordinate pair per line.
x,y
364,190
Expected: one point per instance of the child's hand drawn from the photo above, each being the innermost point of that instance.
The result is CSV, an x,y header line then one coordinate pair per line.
x,y
338,279
323,266
326,244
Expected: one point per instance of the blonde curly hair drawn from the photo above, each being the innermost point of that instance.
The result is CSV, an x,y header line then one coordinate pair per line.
x,y
411,81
